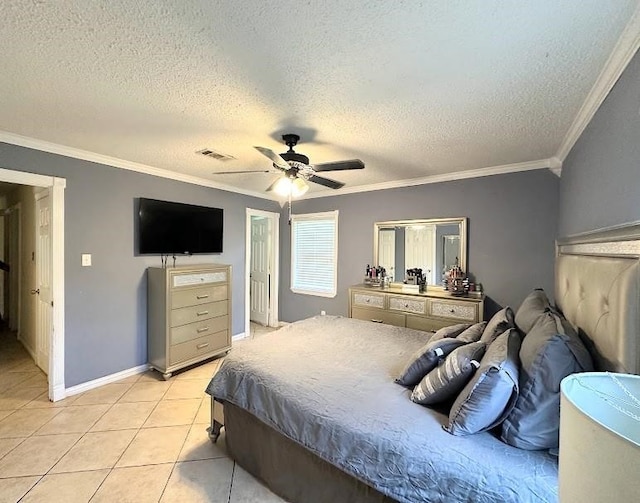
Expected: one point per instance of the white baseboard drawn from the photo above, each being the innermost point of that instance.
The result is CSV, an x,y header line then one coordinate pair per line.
x,y
101,381
240,336
59,393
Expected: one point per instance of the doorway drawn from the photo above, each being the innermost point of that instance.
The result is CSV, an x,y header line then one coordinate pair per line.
x,y
51,231
261,268
13,237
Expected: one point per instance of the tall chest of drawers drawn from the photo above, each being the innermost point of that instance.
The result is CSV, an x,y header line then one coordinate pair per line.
x,y
188,315
429,311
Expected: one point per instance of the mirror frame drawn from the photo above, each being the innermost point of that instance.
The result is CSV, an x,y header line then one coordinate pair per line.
x,y
460,221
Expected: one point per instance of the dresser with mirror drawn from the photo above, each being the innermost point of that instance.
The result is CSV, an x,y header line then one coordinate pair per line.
x,y
433,245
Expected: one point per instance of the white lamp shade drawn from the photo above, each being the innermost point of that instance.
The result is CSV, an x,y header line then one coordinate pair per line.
x,y
294,186
299,187
599,443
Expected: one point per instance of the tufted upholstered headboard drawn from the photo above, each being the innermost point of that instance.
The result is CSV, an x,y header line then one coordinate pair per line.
x,y
598,290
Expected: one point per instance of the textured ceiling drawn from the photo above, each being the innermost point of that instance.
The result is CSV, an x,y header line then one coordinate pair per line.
x,y
412,88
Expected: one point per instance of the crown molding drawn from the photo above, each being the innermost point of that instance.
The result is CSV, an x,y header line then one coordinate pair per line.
x,y
624,50
551,163
555,166
85,155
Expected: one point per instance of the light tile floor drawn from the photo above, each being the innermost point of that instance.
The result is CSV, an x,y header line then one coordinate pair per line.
x,y
138,440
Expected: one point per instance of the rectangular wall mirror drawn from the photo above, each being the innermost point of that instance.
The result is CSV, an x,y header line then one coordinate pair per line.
x,y
433,245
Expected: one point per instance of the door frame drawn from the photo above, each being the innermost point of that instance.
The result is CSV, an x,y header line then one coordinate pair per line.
x,y
56,342
274,239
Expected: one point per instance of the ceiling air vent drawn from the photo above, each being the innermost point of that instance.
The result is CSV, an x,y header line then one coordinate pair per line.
x,y
215,155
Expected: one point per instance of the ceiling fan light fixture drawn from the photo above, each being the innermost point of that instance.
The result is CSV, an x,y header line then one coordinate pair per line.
x,y
286,186
299,187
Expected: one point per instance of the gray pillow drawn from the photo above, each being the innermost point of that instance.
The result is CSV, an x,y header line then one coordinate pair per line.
x,y
473,333
450,331
500,322
426,359
492,392
551,351
447,379
534,306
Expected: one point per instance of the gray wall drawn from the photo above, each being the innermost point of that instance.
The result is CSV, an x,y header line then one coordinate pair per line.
x,y
512,228
105,311
600,184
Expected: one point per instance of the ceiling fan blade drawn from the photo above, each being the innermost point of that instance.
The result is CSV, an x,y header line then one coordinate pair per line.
x,y
339,165
275,158
270,187
332,184
240,172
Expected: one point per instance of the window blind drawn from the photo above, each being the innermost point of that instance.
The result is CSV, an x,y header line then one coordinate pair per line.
x,y
314,253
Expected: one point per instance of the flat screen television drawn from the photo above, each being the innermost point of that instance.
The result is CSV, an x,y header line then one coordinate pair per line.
x,y
168,228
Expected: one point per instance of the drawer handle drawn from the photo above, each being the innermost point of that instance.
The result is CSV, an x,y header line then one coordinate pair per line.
x,y
406,305
202,313
453,311
368,300
202,346
205,296
376,320
203,329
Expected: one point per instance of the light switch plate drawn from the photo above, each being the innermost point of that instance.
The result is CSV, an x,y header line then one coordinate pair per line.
x,y
86,259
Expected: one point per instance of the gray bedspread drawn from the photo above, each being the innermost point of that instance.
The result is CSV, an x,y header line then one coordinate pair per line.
x,y
327,383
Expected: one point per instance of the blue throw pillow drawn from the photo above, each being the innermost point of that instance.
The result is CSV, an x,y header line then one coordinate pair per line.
x,y
473,333
551,351
426,359
448,378
450,331
498,323
492,392
532,307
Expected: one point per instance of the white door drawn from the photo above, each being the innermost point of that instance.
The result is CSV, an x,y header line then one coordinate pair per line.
x,y
259,270
43,279
420,250
387,252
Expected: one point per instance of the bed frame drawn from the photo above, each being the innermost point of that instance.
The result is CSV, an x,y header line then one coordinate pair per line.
x,y
597,288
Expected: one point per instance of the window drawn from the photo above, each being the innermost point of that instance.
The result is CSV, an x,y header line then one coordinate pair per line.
x,y
314,253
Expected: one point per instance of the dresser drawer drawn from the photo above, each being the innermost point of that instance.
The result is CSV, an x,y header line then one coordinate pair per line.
x,y
186,315
465,311
197,296
198,278
367,299
194,330
378,316
198,347
425,324
408,304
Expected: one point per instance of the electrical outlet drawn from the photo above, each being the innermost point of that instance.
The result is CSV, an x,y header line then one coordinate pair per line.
x,y
86,260
323,313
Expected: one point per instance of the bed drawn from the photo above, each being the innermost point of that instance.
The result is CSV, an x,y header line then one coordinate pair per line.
x,y
313,411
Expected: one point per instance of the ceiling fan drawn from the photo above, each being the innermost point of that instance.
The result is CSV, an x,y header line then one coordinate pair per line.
x,y
296,169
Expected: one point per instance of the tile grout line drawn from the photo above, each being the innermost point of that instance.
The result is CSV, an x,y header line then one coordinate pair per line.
x,y
82,435
89,431
233,474
37,482
133,438
33,434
